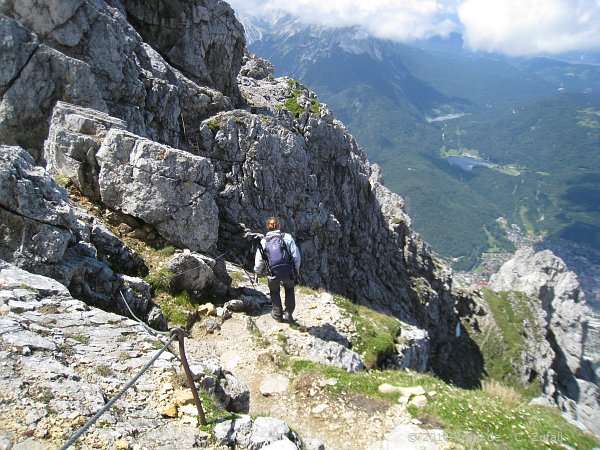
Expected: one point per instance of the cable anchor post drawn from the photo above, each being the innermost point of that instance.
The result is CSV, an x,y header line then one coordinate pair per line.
x,y
178,332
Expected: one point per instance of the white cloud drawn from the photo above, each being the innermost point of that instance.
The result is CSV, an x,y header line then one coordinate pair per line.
x,y
531,27
513,27
399,20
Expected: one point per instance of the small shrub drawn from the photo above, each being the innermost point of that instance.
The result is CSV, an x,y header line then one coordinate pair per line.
x,y
167,250
103,370
315,106
62,180
292,105
161,280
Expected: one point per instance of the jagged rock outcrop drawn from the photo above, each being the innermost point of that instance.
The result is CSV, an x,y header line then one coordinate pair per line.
x,y
203,277
88,53
44,234
58,371
256,434
161,90
559,308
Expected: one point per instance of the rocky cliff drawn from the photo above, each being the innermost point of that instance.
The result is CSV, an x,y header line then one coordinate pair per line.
x,y
153,113
557,329
143,107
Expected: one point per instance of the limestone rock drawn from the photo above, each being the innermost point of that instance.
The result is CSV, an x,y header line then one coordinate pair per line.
x,y
559,304
202,39
162,186
256,67
96,58
68,376
44,234
201,276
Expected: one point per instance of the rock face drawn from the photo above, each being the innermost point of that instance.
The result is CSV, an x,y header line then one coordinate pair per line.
x,y
561,311
160,142
89,54
43,233
62,360
140,116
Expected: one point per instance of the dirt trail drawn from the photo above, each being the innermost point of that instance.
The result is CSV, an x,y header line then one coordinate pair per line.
x,y
347,422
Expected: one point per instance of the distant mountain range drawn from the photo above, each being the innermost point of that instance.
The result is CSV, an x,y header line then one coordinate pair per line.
x,y
535,121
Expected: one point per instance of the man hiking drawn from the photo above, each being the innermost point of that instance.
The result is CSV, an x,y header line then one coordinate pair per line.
x,y
279,257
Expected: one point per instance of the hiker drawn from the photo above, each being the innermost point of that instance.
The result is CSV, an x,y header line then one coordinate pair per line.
x,y
279,257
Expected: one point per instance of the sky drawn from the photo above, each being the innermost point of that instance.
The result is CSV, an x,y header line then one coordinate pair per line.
x,y
510,27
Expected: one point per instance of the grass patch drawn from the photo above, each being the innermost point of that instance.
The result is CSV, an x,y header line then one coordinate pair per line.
x,y
376,332
494,417
214,125
81,338
103,370
179,309
212,413
503,351
524,216
292,105
295,91
161,280
237,277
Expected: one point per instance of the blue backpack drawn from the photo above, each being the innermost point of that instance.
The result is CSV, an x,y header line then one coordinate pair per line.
x,y
279,258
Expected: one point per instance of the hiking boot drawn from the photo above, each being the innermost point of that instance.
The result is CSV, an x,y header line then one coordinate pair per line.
x,y
275,317
287,317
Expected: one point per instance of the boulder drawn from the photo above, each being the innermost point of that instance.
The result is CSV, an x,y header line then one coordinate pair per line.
x,y
163,186
203,277
44,234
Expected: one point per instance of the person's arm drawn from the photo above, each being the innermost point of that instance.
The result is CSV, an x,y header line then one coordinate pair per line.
x,y
295,252
259,264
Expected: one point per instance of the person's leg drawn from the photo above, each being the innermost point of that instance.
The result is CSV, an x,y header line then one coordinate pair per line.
x,y
290,297
274,290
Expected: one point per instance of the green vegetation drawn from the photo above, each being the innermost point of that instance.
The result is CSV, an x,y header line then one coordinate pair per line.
x,y
260,339
178,306
292,105
376,332
213,413
179,309
214,124
161,280
62,180
477,419
296,90
502,349
497,240
589,118
541,140
81,338
166,251
103,370
237,276
28,288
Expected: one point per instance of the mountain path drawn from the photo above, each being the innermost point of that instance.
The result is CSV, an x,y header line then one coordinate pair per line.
x,y
252,347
